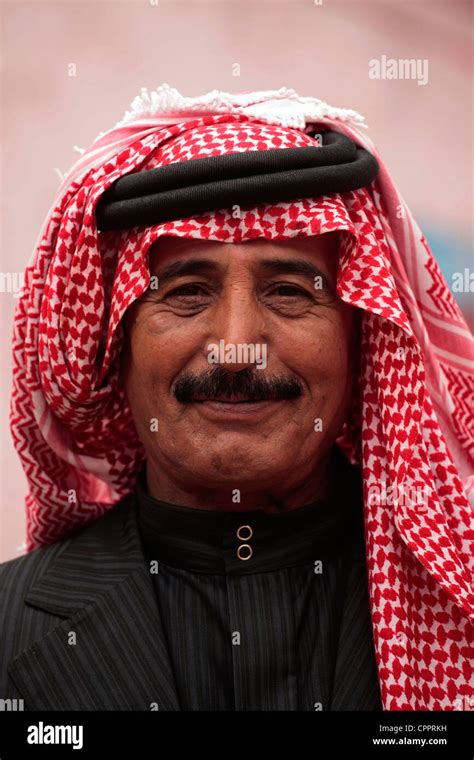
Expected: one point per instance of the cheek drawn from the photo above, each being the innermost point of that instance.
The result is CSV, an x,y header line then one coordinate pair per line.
x,y
157,357
320,352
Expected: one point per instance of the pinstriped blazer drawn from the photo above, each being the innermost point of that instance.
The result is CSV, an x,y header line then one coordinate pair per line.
x,y
80,628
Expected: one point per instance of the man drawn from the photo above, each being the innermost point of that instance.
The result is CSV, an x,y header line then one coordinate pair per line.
x,y
241,404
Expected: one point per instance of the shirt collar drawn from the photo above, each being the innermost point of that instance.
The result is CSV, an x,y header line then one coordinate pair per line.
x,y
243,542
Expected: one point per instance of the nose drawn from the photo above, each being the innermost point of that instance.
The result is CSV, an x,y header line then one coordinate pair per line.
x,y
239,329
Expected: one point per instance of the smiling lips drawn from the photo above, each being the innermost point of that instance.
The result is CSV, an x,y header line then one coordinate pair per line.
x,y
237,409
239,399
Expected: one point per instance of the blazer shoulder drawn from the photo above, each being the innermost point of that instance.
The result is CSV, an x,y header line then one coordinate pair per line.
x,y
17,575
15,572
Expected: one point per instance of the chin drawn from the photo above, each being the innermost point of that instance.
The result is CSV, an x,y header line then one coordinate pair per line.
x,y
239,465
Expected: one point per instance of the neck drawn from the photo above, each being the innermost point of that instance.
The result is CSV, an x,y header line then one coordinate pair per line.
x,y
282,495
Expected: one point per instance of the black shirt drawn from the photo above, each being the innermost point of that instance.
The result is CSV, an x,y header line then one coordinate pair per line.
x,y
265,611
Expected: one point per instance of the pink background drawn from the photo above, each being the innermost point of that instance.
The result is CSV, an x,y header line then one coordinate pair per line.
x,y
423,132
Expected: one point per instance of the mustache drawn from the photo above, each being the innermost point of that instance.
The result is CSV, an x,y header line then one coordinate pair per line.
x,y
248,382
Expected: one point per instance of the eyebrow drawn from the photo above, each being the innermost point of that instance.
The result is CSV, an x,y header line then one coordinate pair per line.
x,y
295,266
277,266
185,267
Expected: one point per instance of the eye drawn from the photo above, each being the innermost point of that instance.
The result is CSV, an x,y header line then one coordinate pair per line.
x,y
191,289
292,300
291,290
188,299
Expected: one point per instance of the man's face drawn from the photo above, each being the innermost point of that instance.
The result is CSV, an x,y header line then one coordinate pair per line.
x,y
279,300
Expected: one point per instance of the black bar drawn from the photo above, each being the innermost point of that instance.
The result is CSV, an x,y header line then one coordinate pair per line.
x,y
318,734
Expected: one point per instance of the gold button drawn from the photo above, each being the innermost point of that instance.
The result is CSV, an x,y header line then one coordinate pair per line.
x,y
246,528
249,553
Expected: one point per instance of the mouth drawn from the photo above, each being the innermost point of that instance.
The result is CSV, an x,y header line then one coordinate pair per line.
x,y
220,408
233,400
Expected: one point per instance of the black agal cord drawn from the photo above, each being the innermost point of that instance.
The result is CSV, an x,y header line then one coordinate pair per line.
x,y
187,188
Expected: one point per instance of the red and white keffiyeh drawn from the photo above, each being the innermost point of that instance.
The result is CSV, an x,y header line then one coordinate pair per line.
x,y
411,426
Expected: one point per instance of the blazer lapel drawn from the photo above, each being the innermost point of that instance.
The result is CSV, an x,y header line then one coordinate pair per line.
x,y
108,650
